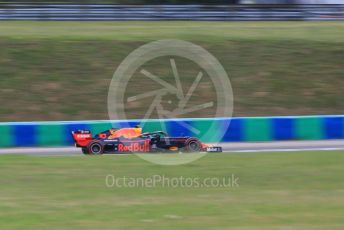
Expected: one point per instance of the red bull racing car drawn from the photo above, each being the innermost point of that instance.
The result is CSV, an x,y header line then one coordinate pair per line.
x,y
127,140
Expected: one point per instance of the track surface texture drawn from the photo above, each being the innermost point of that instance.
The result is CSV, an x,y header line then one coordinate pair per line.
x,y
277,146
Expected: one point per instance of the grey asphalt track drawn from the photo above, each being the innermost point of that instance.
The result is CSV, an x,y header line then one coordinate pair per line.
x,y
278,146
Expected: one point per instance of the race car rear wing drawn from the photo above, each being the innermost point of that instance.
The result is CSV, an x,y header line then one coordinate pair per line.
x,y
82,137
81,131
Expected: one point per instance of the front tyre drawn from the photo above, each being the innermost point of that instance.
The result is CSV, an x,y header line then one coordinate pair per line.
x,y
95,148
193,145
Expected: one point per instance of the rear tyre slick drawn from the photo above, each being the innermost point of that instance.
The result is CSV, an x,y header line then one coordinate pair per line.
x,y
95,148
85,151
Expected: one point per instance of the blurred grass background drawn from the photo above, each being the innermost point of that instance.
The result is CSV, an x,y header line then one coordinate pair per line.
x,y
298,190
62,70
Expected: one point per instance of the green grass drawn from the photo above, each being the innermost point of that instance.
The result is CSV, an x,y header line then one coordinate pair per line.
x,y
197,31
62,70
299,190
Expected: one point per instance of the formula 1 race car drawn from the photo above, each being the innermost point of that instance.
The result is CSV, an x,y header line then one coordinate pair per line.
x,y
127,140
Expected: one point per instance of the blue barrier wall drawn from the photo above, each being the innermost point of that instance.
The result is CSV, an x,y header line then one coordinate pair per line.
x,y
240,129
108,12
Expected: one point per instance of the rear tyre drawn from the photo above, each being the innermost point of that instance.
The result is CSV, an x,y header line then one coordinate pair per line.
x,y
85,151
95,148
193,145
